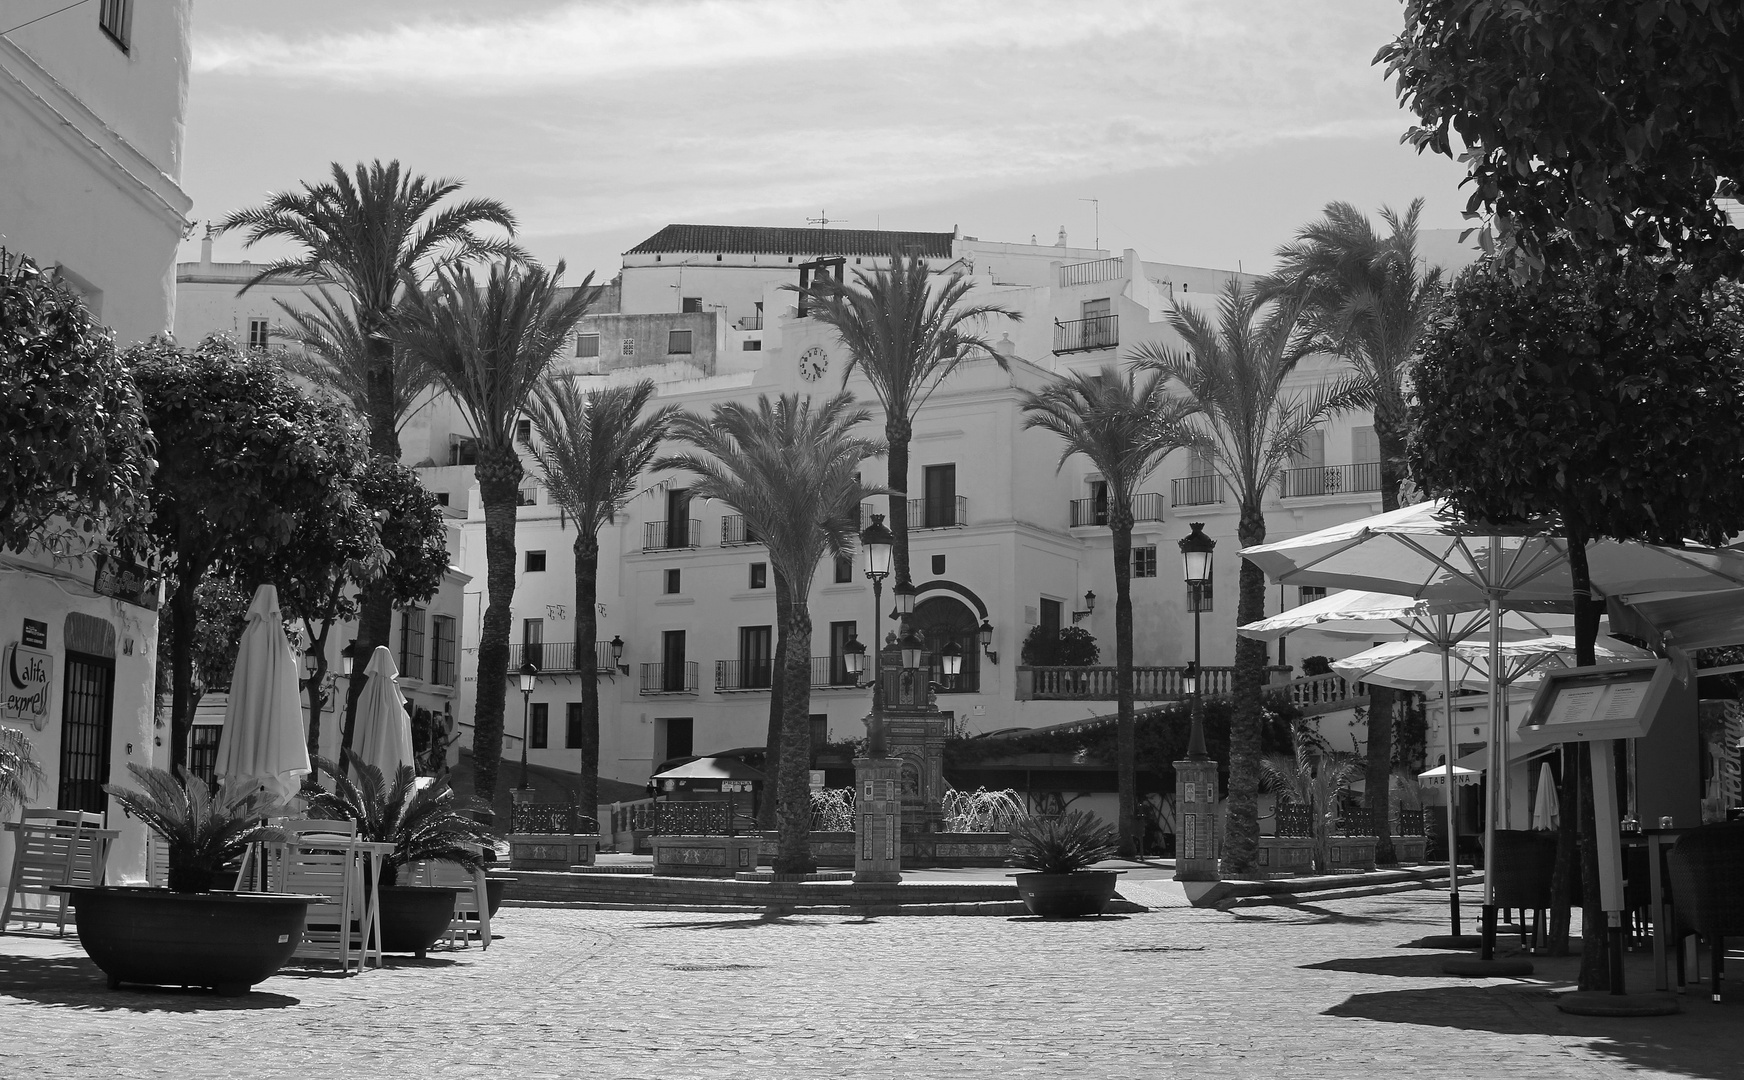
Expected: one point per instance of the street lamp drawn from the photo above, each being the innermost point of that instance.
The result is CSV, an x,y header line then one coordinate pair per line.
x,y
911,646
348,658
1196,549
904,593
854,658
986,633
618,654
951,657
529,674
878,543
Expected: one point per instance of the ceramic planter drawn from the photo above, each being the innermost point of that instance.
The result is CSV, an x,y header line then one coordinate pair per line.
x,y
223,940
1067,896
414,916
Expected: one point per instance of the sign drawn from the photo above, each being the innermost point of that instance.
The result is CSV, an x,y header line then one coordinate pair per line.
x,y
27,684
124,580
817,779
1585,704
35,634
736,785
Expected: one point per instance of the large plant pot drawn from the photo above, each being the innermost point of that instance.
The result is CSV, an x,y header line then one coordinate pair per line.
x,y
224,940
494,888
414,916
1067,896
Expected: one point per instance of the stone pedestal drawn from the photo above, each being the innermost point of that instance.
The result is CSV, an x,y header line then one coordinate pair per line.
x,y
877,819
552,851
703,856
1196,817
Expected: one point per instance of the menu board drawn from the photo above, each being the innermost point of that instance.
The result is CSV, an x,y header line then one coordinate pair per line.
x,y
1608,701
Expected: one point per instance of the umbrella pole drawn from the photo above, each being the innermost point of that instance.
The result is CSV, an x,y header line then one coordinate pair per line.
x,y
1452,790
1495,781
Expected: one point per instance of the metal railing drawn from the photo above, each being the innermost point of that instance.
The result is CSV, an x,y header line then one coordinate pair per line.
x,y
750,322
1102,683
734,532
670,678
551,818
1083,335
732,676
560,656
1196,490
938,513
1329,480
659,535
831,672
1092,512
1085,273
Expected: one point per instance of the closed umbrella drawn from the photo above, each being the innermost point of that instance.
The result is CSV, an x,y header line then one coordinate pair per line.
x,y
263,739
1544,809
384,731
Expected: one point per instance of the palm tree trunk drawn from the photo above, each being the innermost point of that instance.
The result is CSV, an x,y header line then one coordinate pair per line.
x,y
777,703
1241,831
1125,727
793,781
587,554
499,478
375,624
1378,768
384,440
898,432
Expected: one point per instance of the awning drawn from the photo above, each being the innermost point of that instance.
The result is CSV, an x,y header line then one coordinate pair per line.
x,y
711,768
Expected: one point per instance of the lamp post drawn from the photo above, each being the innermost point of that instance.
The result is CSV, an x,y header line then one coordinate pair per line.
x,y
986,635
951,658
877,542
1196,549
618,654
529,674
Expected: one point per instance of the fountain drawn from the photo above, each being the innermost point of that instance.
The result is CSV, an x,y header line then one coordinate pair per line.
x,y
832,810
981,811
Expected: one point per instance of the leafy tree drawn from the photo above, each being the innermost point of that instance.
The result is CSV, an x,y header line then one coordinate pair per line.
x,y
1594,401
74,447
1125,426
593,447
1247,422
243,455
491,344
789,466
1366,298
1612,122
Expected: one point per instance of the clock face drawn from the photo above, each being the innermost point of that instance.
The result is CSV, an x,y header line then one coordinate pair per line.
x,y
813,362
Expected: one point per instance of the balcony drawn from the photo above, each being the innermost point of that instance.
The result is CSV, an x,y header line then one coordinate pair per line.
x,y
938,513
735,534
1329,480
1087,273
1085,335
1094,512
664,535
669,678
744,676
1102,683
561,657
1203,490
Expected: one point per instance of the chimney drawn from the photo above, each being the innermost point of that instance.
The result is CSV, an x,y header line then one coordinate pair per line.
x,y
1061,242
206,248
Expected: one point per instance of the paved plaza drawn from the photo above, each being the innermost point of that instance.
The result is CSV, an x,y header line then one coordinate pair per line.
x,y
1314,990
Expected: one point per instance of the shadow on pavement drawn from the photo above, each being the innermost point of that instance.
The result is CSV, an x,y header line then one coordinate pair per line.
x,y
1091,919
1420,966
1322,916
77,983
1704,1041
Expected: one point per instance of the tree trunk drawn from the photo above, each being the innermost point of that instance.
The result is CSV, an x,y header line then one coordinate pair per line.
x,y
1125,726
499,479
1241,831
185,621
1595,969
587,554
1378,769
766,818
318,646
1563,873
898,432
375,617
793,782
384,440
375,624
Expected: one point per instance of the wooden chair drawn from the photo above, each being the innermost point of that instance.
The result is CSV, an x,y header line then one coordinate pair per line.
x,y
54,847
471,906
320,857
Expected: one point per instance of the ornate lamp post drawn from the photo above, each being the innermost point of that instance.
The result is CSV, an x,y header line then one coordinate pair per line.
x,y
951,657
877,779
1196,549
529,674
877,543
1196,777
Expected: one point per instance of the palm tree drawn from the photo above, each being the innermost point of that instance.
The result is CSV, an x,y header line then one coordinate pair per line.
x,y
1247,422
1366,298
1124,425
369,233
336,356
593,447
491,344
906,333
790,467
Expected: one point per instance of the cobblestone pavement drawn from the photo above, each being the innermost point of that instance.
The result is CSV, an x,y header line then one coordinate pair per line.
x,y
1311,991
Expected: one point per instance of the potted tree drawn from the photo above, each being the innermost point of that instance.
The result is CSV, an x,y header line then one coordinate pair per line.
x,y
1059,850
422,819
192,933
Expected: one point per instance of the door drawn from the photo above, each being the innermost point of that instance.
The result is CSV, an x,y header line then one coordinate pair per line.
x,y
840,634
756,651
533,642
1098,318
87,725
677,518
941,496
1099,501
680,737
942,621
672,662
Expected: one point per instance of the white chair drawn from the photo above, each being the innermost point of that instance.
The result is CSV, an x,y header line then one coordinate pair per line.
x,y
471,905
54,847
320,857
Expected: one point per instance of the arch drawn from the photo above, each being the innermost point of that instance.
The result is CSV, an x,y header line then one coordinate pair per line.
x,y
964,591
940,620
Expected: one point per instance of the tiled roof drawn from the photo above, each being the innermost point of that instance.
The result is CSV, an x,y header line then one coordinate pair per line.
x,y
764,240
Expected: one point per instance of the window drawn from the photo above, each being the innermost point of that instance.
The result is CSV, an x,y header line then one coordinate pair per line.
x,y
1201,601
524,432
1052,612
530,496
672,664
678,342
751,346
756,653
844,569
572,726
940,508
203,750
442,498
680,737
840,634
1144,561
1307,594
535,562
587,346
1364,447
442,650
257,333
411,643
820,729
115,18
759,575
672,581
691,305
1313,455
1099,501
538,725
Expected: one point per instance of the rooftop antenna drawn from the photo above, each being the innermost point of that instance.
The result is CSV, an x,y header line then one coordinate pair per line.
x,y
821,221
1097,206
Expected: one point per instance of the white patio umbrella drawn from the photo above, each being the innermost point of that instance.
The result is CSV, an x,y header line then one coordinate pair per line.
x,y
1437,777
1416,664
384,731
1544,809
263,737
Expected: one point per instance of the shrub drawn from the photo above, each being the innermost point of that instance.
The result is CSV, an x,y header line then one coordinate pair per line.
x,y
1061,844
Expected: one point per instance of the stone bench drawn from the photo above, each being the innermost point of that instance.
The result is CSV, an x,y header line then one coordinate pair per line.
x,y
552,851
1286,855
703,856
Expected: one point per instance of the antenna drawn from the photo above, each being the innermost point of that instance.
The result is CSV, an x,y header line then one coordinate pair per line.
x,y
1097,204
821,219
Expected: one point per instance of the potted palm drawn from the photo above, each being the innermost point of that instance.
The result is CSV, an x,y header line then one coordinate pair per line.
x,y
193,933
422,819
1059,851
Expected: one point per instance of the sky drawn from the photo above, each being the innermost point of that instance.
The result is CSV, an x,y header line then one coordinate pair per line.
x,y
1207,131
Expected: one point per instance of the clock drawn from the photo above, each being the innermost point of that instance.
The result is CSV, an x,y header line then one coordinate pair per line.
x,y
813,362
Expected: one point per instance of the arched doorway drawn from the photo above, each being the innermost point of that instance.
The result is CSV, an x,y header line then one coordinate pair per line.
x,y
941,620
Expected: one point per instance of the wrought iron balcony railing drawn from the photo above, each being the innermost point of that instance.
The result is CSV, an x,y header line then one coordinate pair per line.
x,y
561,656
938,513
1083,335
1093,512
1329,480
1196,490
660,535
670,678
734,532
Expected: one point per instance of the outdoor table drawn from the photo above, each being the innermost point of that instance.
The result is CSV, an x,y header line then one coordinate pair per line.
x,y
1659,842
373,855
